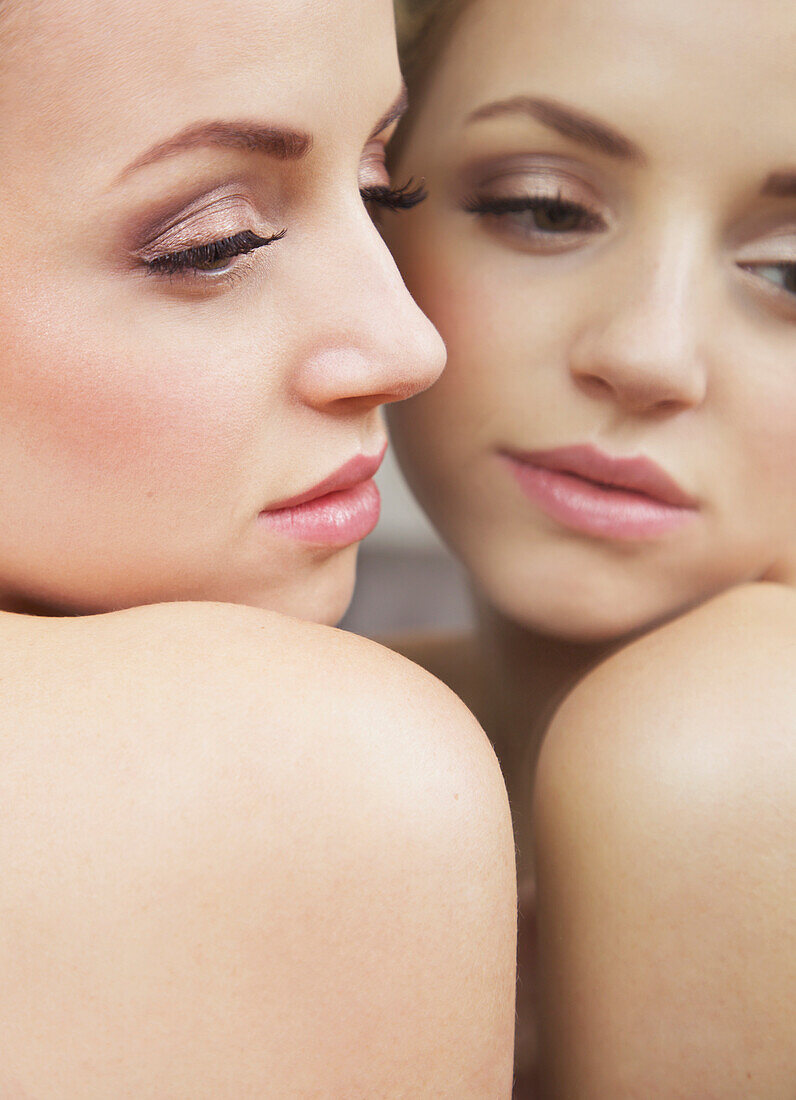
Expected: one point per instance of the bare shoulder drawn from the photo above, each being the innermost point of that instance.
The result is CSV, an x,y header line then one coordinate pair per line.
x,y
733,657
452,658
239,859
666,842
708,700
173,657
691,732
230,695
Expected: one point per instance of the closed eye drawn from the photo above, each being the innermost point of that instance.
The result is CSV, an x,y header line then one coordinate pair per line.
x,y
214,258
395,198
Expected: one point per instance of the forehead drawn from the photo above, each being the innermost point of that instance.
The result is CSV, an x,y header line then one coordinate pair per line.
x,y
107,77
661,69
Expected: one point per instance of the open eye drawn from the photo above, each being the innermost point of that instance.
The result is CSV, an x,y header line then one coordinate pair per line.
x,y
782,275
539,213
544,219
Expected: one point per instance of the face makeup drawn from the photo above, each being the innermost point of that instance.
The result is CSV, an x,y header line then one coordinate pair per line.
x,y
614,274
342,509
597,494
213,321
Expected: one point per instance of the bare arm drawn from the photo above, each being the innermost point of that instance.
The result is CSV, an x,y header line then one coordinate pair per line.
x,y
247,857
666,846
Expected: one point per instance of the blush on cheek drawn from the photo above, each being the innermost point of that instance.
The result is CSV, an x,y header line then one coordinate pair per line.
x,y
125,416
135,445
125,473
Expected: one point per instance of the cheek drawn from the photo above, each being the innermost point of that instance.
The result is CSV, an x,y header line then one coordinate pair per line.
x,y
454,293
768,446
456,298
752,402
506,335
110,411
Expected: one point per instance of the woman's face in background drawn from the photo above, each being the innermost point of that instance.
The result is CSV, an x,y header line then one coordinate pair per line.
x,y
609,252
161,392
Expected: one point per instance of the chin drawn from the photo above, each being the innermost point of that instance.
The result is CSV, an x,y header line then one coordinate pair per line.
x,y
588,626
320,592
570,619
598,605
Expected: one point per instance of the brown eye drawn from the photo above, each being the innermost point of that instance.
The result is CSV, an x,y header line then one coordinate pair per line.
x,y
539,216
557,217
211,263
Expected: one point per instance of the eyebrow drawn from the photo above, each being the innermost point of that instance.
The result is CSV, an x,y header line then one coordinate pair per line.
x,y
274,141
282,143
781,185
393,114
567,121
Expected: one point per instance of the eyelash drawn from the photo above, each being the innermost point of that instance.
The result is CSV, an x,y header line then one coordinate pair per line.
x,y
558,206
190,260
396,198
788,269
589,221
174,263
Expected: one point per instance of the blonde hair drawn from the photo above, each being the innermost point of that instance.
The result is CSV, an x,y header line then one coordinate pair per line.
x,y
423,26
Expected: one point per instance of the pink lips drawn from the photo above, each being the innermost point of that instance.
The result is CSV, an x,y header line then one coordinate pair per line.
x,y
590,491
340,510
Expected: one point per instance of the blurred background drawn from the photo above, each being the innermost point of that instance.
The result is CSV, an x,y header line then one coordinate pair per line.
x,y
406,579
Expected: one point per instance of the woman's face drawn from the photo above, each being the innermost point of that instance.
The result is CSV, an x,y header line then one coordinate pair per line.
x,y
162,394
609,252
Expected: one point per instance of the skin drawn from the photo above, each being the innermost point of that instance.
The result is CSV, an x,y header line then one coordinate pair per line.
x,y
175,409
658,324
243,855
217,888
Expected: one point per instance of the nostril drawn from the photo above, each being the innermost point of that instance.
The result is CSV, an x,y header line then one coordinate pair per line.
x,y
593,385
412,386
668,406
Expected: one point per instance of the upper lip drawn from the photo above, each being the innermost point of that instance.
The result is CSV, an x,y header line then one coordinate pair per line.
x,y
637,473
358,469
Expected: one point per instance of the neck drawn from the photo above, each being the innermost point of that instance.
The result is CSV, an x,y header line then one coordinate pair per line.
x,y
524,678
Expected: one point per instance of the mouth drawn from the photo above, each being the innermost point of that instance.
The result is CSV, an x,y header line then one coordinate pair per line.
x,y
341,509
602,495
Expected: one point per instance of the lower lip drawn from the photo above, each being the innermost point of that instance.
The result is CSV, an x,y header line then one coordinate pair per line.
x,y
596,510
336,519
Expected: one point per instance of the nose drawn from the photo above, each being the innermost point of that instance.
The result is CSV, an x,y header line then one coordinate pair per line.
x,y
374,345
640,346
